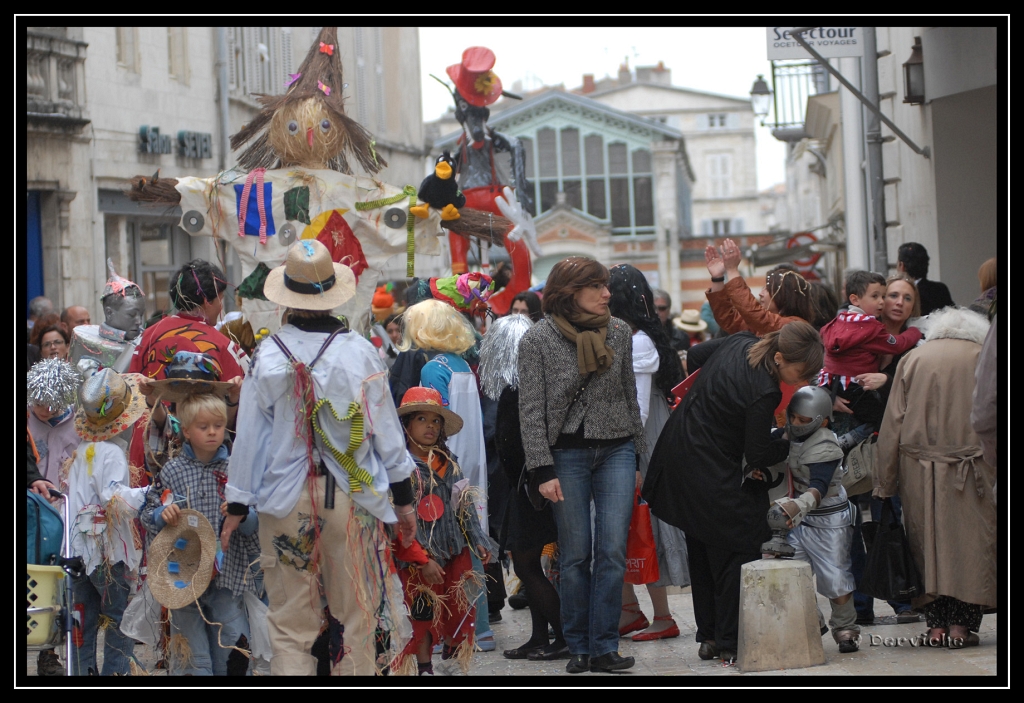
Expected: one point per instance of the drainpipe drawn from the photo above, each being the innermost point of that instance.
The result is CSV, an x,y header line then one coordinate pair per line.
x,y
873,137
222,96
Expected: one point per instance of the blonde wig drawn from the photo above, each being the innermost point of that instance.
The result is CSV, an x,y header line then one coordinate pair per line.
x,y
437,326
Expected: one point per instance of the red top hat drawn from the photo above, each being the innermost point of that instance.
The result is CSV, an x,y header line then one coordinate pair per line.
x,y
474,79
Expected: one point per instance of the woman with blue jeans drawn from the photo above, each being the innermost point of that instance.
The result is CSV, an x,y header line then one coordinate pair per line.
x,y
581,434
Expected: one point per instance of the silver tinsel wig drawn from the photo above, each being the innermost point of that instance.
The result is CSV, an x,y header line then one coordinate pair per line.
x,y
53,382
499,354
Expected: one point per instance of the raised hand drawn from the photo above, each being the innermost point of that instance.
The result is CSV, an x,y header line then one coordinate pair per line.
x,y
714,261
731,255
524,227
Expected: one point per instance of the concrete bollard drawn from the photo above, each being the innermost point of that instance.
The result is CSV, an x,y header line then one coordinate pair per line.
x,y
778,616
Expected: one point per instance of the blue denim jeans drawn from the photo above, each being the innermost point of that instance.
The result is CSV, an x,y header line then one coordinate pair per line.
x,y
207,657
103,592
593,563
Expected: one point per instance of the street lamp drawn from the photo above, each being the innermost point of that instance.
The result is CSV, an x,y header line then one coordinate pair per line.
x,y
760,98
913,75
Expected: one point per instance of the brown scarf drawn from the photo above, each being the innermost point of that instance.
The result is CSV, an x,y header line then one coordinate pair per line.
x,y
592,354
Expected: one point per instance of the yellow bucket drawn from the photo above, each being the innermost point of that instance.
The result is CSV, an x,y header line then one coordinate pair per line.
x,y
44,591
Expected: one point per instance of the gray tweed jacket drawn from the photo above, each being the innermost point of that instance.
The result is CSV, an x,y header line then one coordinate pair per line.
x,y
549,377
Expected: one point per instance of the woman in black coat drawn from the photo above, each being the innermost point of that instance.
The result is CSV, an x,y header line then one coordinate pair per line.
x,y
704,476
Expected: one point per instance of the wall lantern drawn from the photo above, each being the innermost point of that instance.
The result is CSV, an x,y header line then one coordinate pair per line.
x,y
913,75
760,97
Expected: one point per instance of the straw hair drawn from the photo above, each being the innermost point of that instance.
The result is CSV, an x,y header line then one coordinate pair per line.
x,y
309,263
318,68
437,326
195,560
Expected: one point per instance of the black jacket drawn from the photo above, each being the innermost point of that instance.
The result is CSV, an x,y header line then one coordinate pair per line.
x,y
694,478
934,295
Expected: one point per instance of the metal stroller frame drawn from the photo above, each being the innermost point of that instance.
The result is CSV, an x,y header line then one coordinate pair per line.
x,y
61,629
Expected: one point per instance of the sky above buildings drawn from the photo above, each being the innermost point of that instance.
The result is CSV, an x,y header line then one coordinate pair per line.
x,y
722,60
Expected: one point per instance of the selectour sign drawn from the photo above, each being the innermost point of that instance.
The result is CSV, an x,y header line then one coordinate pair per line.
x,y
830,42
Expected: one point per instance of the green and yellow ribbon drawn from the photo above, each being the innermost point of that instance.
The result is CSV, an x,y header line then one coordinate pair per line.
x,y
356,474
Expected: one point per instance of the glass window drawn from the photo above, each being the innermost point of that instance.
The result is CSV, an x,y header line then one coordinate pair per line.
x,y
528,148
641,161
548,191
126,48
594,146
643,201
573,193
547,153
177,53
570,152
617,159
620,201
595,198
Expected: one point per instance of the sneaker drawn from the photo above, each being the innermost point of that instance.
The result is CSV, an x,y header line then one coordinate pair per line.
x,y
49,664
578,664
485,642
610,662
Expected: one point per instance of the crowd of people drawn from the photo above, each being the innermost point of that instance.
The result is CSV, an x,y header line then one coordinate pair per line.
x,y
366,489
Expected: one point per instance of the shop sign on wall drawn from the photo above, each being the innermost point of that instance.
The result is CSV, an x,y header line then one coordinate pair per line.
x,y
196,145
830,42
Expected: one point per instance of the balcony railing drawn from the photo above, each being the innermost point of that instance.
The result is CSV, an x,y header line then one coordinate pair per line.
x,y
54,86
792,83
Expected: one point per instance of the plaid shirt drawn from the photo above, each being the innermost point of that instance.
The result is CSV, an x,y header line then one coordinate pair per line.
x,y
203,485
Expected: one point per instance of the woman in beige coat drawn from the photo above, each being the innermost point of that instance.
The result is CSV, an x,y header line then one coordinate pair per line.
x,y
928,453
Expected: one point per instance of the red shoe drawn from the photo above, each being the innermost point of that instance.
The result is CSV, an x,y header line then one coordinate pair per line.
x,y
665,634
641,623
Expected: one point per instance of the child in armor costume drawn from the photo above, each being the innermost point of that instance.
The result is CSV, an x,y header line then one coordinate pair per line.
x,y
820,514
440,593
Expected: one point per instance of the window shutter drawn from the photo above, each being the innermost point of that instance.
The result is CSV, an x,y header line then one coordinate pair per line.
x,y
287,60
705,227
702,121
714,184
732,121
361,77
737,226
378,79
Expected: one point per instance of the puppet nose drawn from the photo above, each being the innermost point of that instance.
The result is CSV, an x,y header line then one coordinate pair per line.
x,y
443,170
309,136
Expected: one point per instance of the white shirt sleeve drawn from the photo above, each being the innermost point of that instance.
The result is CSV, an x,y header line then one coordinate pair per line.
x,y
645,365
249,457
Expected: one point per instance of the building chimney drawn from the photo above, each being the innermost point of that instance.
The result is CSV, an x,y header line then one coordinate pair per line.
x,y
624,76
588,83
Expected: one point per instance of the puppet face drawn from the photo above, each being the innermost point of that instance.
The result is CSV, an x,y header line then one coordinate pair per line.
x,y
305,134
125,313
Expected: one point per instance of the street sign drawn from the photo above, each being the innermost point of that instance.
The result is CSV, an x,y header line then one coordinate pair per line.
x,y
830,42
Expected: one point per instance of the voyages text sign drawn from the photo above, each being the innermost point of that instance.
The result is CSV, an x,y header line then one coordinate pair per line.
x,y
830,42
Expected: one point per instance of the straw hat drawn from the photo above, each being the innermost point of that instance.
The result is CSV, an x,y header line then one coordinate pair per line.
x,y
418,399
309,280
190,373
181,560
689,321
110,404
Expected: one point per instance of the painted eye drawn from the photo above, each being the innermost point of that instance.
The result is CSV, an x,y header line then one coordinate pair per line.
x,y
325,125
293,128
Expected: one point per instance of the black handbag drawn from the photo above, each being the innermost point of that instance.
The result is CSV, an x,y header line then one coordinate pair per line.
x,y
889,570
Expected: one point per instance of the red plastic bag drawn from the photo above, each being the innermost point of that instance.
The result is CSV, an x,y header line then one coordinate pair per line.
x,y
641,554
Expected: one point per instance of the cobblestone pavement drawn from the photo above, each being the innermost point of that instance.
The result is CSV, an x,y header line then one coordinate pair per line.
x,y
678,656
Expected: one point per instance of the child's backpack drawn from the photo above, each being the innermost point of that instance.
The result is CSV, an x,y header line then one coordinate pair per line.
x,y
45,531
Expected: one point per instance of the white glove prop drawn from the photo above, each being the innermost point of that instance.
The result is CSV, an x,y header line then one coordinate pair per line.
x,y
524,227
806,502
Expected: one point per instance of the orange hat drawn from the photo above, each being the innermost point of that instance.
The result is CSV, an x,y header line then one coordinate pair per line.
x,y
474,79
420,398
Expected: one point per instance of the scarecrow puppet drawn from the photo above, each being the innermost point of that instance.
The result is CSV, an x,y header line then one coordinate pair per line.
x,y
294,182
484,181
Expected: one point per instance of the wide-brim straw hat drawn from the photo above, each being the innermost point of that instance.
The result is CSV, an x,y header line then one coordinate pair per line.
x,y
110,404
309,280
190,373
689,321
419,399
181,559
